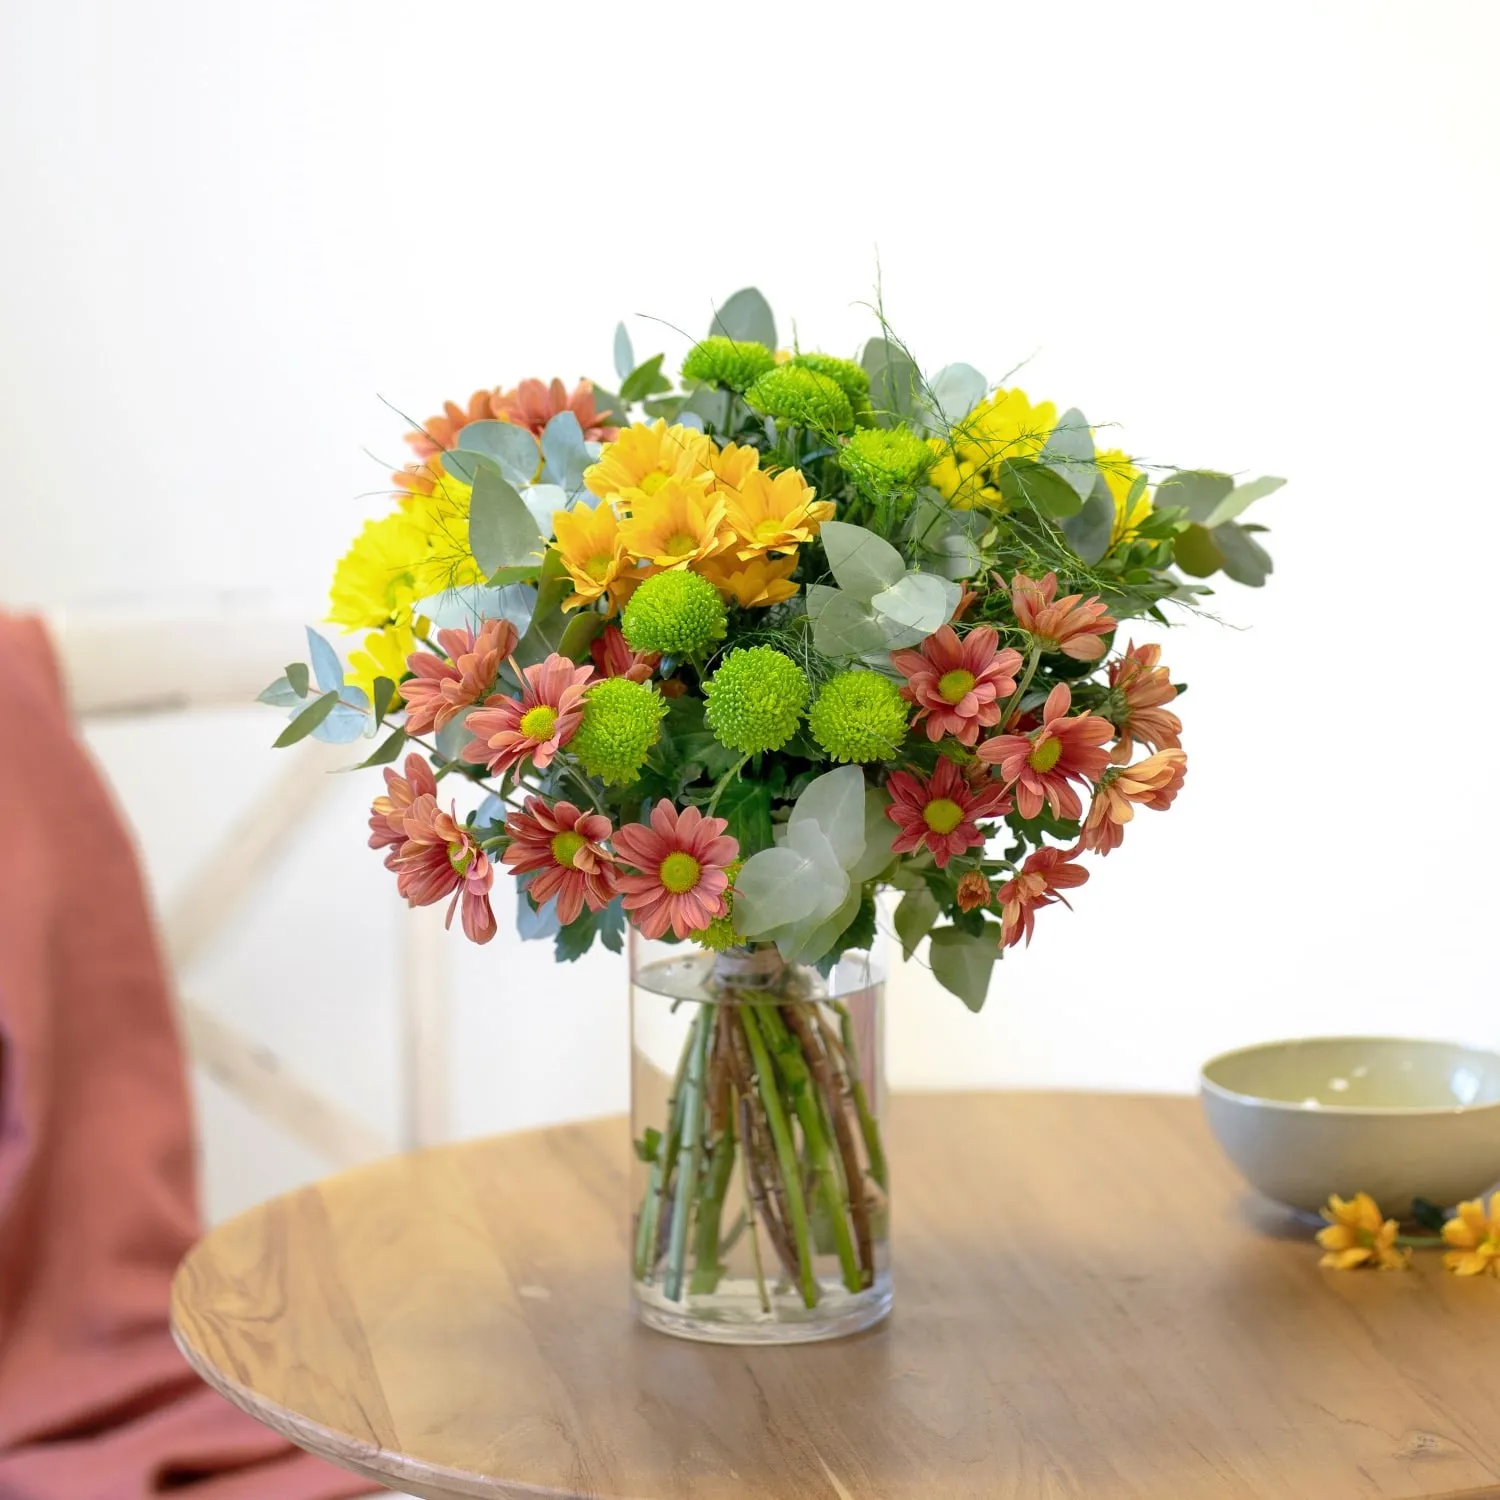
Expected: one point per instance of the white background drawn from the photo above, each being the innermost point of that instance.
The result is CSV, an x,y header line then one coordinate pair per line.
x,y
1263,239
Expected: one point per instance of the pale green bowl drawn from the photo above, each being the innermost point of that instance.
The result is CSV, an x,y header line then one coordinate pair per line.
x,y
1396,1118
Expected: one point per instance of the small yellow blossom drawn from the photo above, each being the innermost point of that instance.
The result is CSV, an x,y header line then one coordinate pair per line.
x,y
1120,475
1475,1239
384,655
642,458
754,583
1358,1235
776,514
591,548
377,578
1005,426
678,524
732,464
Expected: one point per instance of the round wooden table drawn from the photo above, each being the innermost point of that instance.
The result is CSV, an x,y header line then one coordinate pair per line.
x,y
1088,1304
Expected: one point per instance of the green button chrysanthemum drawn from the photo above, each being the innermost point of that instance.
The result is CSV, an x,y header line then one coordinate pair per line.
x,y
676,613
802,397
886,458
720,933
755,699
848,376
858,716
734,363
621,722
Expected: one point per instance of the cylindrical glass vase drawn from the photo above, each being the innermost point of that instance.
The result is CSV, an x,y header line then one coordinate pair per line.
x,y
762,1199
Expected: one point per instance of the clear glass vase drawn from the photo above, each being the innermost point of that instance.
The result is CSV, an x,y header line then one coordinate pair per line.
x,y
762,1200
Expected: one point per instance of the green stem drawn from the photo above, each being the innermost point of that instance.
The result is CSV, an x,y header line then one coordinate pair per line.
x,y
692,1144
741,1110
869,1127
708,1267
649,1228
786,1153
722,783
1421,1241
1014,706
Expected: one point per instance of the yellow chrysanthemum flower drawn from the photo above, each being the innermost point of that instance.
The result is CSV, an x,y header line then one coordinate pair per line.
x,y
732,464
753,584
591,548
1358,1234
443,517
376,579
642,458
1120,475
1005,426
678,524
384,655
774,513
1475,1238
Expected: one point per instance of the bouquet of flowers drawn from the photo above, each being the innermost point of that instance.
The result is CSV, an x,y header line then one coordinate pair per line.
x,y
724,657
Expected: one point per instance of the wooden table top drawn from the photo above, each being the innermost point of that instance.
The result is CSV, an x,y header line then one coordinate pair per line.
x,y
1088,1304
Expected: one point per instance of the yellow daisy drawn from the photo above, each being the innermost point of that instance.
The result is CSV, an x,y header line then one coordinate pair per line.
x,y
1005,426
384,655
1475,1239
589,543
1359,1235
1120,475
377,577
753,584
773,514
641,460
443,517
732,464
678,524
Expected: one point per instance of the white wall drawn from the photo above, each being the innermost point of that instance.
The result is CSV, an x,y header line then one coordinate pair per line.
x,y
1263,239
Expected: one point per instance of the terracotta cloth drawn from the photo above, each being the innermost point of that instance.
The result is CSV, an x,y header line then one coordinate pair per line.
x,y
97,1198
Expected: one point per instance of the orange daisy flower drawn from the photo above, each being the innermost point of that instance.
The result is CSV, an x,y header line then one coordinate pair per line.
x,y
1041,765
1072,624
1040,882
562,848
1138,688
957,685
388,812
534,403
942,811
535,726
441,690
440,858
1153,782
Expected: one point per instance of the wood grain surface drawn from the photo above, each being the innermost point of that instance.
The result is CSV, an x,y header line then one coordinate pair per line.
x,y
1088,1304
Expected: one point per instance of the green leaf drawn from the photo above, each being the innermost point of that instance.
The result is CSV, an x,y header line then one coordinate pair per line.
x,y
916,913
624,354
1196,552
913,607
746,316
581,631
387,751
608,408
835,801
962,963
1069,453
708,404
307,721
1245,560
746,804
955,391
1039,487
1198,491
502,532
880,834
1089,531
649,1146
574,940
385,695
860,933
328,670
566,454
548,623
895,382
526,573
862,562
645,380
506,445
296,676
611,921
842,626
1241,498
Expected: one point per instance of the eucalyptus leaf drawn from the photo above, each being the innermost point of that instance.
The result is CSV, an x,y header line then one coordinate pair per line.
x,y
565,452
1041,488
1241,498
549,623
387,751
581,631
328,670
508,446
453,736
913,607
842,626
544,501
281,694
645,380
1069,453
955,391
710,405
349,719
470,605
895,382
1196,552
385,695
880,834
797,885
609,410
963,963
916,914
1088,532
747,317
307,721
1245,560
862,562
535,923
1198,491
624,354
296,677
835,801
807,947
502,532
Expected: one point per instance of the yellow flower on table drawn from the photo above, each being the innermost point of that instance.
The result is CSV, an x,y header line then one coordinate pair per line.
x,y
677,525
1358,1235
774,513
1475,1238
1120,476
643,458
754,583
591,548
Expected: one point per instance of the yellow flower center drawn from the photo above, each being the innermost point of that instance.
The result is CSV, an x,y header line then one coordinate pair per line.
x,y
651,483
942,815
598,567
679,872
1045,755
460,857
538,723
565,847
953,687
681,545
768,531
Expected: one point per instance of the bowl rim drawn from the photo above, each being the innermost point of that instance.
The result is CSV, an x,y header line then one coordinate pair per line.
x,y
1207,1085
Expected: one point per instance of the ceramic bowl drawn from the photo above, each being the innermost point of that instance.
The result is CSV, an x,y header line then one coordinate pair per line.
x,y
1394,1118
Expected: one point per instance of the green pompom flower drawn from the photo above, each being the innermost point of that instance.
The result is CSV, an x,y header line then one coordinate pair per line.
x,y
621,722
886,458
720,933
802,397
728,362
676,613
858,716
848,376
755,699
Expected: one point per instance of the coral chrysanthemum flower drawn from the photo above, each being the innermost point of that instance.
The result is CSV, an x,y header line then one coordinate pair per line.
x,y
773,514
438,434
534,403
1042,879
440,858
957,684
612,657
1359,1235
591,549
441,690
1153,782
1475,1239
388,811
642,458
509,730
941,811
681,858
1073,625
1138,688
678,525
564,847
973,891
1041,765
753,584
